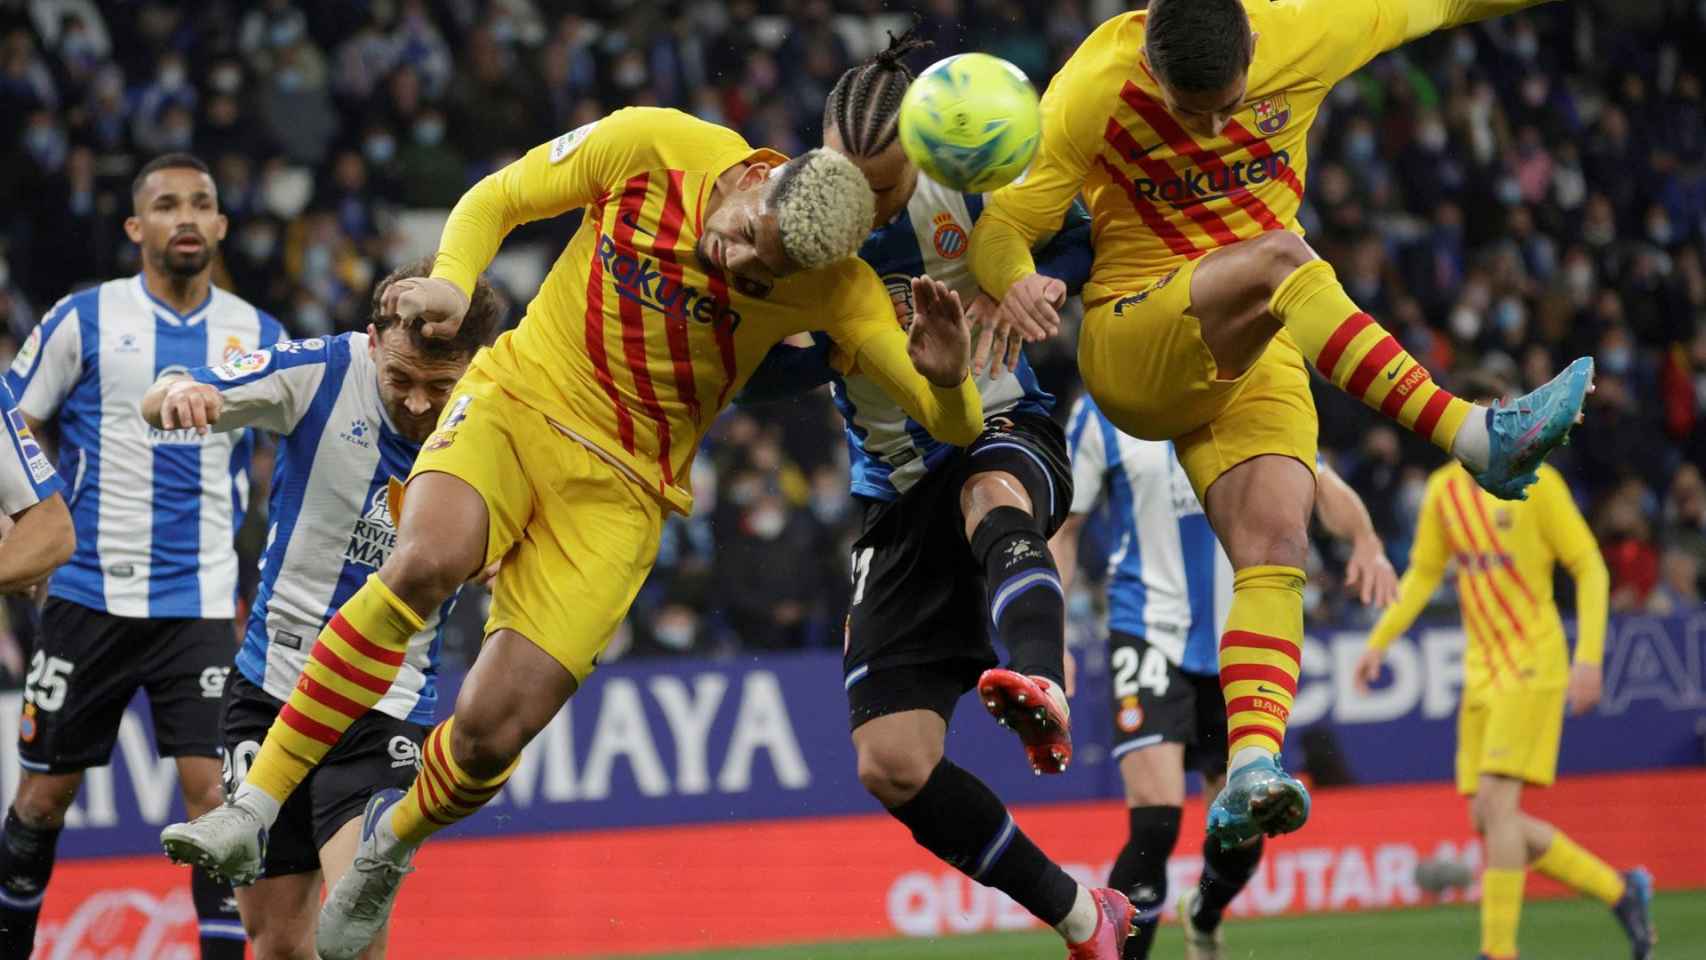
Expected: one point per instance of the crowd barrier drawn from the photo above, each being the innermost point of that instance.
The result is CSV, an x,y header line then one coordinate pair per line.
x,y
695,804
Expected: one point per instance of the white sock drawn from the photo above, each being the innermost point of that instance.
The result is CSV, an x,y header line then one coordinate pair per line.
x,y
1472,445
1080,922
258,802
1245,757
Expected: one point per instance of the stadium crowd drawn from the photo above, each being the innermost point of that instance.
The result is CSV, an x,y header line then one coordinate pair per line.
x,y
1504,197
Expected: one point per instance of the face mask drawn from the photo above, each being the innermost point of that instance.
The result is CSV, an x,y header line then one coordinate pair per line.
x,y
429,132
316,261
172,77
1510,192
1432,137
1617,360
630,74
258,245
312,319
766,523
1509,315
285,33
1659,232
290,80
226,79
1526,46
380,150
1360,147
828,507
1578,279
177,137
674,634
1465,323
77,49
1463,50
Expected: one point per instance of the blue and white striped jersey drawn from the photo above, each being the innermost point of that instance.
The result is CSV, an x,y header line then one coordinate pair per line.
x,y
155,510
26,478
329,524
889,451
1169,581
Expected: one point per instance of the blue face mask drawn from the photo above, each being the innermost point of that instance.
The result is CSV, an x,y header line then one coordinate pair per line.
x,y
1617,360
380,149
429,132
1360,147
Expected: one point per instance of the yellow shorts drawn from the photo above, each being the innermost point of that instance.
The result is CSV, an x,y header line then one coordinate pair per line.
x,y
1509,734
576,536
1144,361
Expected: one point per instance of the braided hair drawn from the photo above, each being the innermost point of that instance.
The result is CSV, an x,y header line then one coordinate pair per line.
x,y
864,107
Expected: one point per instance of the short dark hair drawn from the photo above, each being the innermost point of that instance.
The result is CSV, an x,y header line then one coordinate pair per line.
x,y
864,106
1482,386
167,161
486,311
1198,46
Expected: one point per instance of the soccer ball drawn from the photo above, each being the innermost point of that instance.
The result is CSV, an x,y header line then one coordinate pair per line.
x,y
971,122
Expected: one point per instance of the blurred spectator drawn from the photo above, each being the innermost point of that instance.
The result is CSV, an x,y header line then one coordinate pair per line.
x,y
1627,541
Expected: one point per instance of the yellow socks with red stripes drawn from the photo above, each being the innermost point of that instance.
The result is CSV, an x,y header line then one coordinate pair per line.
x,y
1568,863
1365,361
1259,656
1501,912
353,663
443,793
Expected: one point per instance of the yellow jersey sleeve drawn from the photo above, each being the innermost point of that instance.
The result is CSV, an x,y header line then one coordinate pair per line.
x,y
553,178
1328,40
1428,557
1017,215
1567,533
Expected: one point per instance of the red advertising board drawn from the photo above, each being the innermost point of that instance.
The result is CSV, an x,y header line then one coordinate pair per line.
x,y
773,882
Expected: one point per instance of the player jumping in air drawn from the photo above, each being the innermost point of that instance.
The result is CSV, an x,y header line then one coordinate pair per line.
x,y
146,601
1517,681
567,443
38,535
1186,127
953,539
1169,584
352,412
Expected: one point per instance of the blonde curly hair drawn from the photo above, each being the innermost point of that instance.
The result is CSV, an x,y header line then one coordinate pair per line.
x,y
823,207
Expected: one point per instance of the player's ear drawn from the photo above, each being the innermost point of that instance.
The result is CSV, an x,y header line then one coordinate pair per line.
x,y
373,342
133,228
754,175
221,224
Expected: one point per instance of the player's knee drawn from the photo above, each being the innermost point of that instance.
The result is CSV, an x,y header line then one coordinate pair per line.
x,y
1281,252
423,574
271,942
41,802
484,745
1269,541
894,773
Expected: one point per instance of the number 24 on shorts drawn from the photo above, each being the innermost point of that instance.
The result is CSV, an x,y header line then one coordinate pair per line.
x,y
1131,675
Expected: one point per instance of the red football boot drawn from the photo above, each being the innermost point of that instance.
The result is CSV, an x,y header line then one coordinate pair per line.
x,y
1036,710
1114,918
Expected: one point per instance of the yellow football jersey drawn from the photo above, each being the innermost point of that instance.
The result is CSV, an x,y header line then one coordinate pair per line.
x,y
631,341
1505,552
1160,194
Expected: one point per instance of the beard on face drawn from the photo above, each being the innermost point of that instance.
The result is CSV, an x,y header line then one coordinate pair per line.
x,y
183,263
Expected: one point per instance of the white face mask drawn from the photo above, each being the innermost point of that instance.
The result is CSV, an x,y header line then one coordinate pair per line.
x,y
766,523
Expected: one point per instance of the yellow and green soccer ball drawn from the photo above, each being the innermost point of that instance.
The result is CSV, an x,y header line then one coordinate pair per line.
x,y
971,122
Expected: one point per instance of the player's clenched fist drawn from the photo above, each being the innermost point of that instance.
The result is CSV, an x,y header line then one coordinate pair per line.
x,y
190,404
437,303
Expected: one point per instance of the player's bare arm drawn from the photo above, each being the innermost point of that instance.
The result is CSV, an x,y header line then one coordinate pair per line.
x,y
41,538
1345,516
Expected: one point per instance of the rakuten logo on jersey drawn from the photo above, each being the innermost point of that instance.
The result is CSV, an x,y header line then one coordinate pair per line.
x,y
124,923
641,279
1200,186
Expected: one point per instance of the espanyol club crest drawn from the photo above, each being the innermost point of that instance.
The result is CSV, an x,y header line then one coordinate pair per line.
x,y
1130,716
1271,114
950,238
233,349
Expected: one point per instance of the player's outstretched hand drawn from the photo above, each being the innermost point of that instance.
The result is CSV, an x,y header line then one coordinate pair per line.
x,y
1370,574
1368,668
997,346
939,341
190,404
1584,692
439,304
1032,306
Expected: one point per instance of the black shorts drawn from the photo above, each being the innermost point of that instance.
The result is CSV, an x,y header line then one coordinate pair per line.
x,y
1156,702
88,665
377,752
919,596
